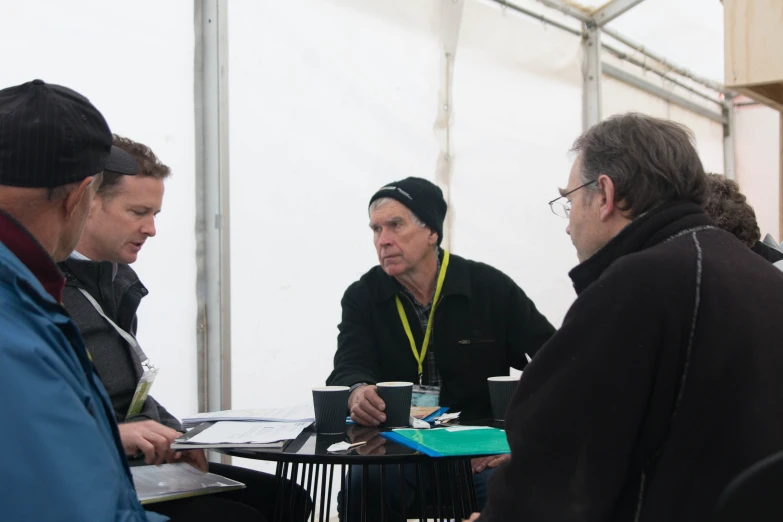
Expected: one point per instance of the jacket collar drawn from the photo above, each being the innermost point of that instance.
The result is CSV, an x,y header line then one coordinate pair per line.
x,y
86,274
457,280
97,277
30,252
644,232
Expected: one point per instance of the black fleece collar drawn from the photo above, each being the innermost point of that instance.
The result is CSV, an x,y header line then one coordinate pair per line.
x,y
646,231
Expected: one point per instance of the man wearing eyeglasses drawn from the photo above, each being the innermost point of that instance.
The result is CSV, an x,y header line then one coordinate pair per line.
x,y
663,382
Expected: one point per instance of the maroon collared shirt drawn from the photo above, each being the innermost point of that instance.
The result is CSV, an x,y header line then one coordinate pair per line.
x,y
30,252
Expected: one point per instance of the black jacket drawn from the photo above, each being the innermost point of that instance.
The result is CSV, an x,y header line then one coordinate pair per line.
x,y
483,324
663,383
115,362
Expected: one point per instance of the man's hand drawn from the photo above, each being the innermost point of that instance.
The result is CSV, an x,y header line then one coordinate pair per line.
x,y
151,438
373,447
473,517
372,436
479,464
196,458
366,407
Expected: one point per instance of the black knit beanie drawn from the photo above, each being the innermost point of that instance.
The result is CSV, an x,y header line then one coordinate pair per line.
x,y
423,197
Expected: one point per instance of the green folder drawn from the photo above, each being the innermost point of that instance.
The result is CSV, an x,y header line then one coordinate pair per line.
x,y
441,442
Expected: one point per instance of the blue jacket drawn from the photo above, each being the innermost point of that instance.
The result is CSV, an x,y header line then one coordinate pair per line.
x,y
62,455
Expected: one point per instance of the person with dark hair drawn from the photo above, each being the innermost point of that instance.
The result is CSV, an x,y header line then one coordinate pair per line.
x,y
730,210
63,457
102,294
429,317
663,382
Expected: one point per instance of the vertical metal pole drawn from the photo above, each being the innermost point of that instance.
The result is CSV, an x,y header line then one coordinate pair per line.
x,y
211,109
729,134
212,197
450,20
591,75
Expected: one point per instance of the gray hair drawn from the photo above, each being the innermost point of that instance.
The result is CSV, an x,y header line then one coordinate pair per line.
x,y
650,161
55,193
378,203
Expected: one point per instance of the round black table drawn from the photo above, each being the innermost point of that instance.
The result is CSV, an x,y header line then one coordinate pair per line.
x,y
306,461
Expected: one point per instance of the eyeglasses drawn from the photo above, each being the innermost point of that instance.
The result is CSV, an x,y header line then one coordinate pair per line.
x,y
563,208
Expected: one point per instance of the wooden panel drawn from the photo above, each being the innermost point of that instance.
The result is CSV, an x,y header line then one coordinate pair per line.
x,y
753,31
770,94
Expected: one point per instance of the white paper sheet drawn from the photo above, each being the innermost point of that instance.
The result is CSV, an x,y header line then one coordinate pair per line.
x,y
467,428
239,432
303,413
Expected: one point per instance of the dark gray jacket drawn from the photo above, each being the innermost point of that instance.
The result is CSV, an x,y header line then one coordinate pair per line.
x,y
115,362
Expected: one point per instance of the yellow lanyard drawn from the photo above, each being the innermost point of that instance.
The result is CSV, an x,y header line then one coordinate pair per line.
x,y
419,356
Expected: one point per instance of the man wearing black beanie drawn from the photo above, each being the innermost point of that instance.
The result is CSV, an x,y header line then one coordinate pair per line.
x,y
428,317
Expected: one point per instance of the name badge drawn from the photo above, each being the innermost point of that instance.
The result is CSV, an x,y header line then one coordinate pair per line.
x,y
142,391
425,396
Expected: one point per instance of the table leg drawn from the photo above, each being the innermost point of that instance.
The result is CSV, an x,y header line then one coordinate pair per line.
x,y
281,493
448,488
365,487
309,487
314,496
292,489
421,492
343,493
473,503
329,497
383,492
462,491
347,496
436,479
323,495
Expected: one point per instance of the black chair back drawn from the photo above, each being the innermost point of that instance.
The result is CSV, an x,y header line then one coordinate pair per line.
x,y
755,495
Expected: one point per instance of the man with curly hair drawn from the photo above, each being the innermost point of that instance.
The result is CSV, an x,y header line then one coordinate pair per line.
x,y
730,210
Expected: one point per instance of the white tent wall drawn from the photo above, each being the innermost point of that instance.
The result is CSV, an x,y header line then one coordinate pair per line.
x,y
106,55
708,134
509,154
619,97
687,32
321,116
758,164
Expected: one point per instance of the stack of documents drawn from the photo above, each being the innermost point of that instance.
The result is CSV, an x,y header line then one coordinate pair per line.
x,y
292,414
240,434
173,481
